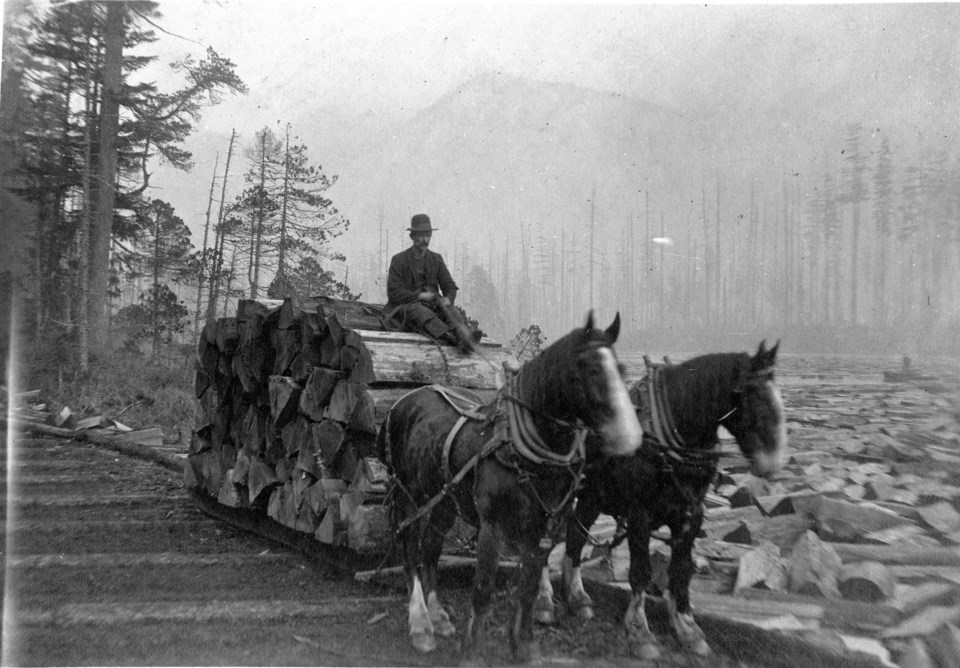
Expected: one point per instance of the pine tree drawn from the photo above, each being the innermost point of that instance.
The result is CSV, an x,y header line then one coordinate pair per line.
x,y
883,222
89,140
160,253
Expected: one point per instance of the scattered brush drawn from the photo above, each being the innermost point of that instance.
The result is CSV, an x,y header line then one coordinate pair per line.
x,y
140,390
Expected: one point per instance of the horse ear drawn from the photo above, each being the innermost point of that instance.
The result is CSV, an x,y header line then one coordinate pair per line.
x,y
764,358
589,326
613,331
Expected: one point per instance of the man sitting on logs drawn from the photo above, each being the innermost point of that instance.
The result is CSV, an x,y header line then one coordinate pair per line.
x,y
420,291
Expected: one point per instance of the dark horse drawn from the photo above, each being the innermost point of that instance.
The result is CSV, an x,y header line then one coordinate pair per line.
x,y
664,482
509,468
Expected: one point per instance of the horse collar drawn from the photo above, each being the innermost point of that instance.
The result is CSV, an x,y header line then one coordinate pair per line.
x,y
518,428
657,420
661,422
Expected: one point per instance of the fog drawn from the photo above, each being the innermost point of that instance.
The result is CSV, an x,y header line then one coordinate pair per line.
x,y
715,174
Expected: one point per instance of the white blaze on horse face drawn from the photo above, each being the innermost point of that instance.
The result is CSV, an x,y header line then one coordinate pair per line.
x,y
768,462
623,433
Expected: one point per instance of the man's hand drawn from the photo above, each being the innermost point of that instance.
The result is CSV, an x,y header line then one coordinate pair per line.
x,y
445,301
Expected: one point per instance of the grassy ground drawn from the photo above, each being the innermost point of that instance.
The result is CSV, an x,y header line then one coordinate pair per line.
x,y
139,389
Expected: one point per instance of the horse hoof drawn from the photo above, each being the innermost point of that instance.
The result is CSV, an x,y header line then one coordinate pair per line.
x,y
545,617
544,612
700,647
645,651
423,642
584,612
444,628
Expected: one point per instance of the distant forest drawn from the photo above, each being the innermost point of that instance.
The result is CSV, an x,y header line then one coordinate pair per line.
x,y
82,132
860,257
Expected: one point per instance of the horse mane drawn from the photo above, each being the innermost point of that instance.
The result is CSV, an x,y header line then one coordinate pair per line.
x,y
545,379
699,390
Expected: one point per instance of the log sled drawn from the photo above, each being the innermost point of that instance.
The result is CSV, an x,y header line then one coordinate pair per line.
x,y
290,395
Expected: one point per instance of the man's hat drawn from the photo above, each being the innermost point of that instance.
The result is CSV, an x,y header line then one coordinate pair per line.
x,y
420,223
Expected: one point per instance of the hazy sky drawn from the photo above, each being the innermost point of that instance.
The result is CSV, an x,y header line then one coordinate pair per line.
x,y
873,60
810,67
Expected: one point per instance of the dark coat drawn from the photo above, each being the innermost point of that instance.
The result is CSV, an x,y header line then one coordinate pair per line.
x,y
406,280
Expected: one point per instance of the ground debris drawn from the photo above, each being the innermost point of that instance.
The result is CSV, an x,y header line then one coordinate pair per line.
x,y
867,510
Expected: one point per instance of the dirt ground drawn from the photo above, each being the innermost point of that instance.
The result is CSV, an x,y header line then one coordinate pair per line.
x,y
96,536
109,503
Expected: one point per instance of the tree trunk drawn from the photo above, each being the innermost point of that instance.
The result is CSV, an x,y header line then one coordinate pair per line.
x,y
155,316
83,278
105,186
203,249
282,245
214,291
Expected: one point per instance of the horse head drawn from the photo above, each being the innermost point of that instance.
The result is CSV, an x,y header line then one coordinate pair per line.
x,y
757,420
598,387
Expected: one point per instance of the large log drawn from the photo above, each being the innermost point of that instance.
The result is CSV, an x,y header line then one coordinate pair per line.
x,y
866,581
895,554
762,566
295,434
292,392
351,404
353,314
814,566
228,335
261,477
286,342
291,311
247,308
355,359
316,392
402,357
841,521
284,396
328,438
253,431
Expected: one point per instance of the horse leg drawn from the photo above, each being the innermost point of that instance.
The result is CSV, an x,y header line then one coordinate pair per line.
x,y
544,612
441,519
533,562
488,558
578,600
643,643
677,597
418,616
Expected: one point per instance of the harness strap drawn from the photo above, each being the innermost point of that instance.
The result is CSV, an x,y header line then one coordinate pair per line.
x,y
447,445
428,506
463,401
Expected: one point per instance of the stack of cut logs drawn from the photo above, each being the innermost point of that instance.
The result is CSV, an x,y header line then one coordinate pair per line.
x,y
290,395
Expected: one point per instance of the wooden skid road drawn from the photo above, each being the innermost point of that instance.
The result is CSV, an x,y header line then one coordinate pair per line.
x,y
125,569
223,592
